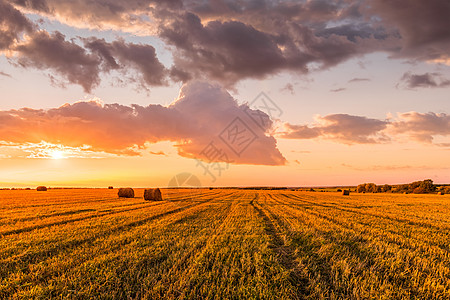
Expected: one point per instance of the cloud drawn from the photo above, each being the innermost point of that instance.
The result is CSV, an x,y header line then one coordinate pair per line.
x,y
45,51
348,129
84,66
343,128
246,47
12,24
424,26
353,80
4,74
393,167
196,119
338,90
227,51
125,56
229,41
127,15
49,151
158,153
300,132
421,127
426,80
31,47
288,87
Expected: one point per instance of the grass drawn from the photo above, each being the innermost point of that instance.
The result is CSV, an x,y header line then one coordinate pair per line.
x,y
217,244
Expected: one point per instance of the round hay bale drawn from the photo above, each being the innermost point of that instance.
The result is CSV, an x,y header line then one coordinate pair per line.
x,y
153,194
345,192
126,193
110,187
41,189
440,193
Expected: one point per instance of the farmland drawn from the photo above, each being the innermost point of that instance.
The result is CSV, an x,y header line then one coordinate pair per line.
x,y
223,243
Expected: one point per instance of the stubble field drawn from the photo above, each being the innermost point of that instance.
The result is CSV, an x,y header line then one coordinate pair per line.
x,y
223,244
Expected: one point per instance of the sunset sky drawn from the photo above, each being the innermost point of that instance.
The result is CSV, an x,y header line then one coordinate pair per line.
x,y
237,93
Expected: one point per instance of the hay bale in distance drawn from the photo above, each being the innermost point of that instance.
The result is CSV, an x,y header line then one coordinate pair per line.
x,y
41,189
126,193
153,194
110,187
440,193
345,192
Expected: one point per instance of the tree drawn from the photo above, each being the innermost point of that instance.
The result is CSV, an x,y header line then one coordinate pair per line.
x,y
386,188
428,186
361,188
371,188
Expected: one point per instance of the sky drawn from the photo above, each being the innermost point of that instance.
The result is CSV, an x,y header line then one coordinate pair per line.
x,y
231,93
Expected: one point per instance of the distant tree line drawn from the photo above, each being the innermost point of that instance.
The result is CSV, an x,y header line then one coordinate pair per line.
x,y
417,187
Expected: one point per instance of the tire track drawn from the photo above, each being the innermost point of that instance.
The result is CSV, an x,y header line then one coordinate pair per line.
x,y
380,236
403,221
129,226
285,254
33,257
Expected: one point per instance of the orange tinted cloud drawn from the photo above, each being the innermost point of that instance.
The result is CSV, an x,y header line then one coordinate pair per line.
x,y
200,115
348,129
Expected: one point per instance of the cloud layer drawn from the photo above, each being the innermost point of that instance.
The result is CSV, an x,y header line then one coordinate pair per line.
x,y
426,80
348,129
197,118
223,40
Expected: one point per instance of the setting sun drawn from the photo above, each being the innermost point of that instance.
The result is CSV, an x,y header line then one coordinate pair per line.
x,y
57,154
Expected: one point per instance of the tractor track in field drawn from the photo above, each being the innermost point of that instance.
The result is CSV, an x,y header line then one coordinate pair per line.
x,y
152,261
285,254
380,236
33,257
200,246
363,237
403,221
305,247
353,245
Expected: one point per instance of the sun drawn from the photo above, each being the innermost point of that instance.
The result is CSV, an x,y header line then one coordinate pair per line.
x,y
57,154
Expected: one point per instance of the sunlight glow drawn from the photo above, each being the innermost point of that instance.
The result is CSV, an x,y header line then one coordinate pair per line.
x,y
57,154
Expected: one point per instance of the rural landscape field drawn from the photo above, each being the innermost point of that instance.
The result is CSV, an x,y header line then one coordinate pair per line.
x,y
223,244
225,149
